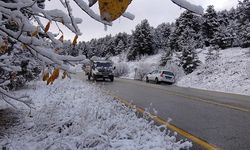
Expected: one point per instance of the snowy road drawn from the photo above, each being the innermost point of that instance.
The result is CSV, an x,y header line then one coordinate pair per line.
x,y
219,118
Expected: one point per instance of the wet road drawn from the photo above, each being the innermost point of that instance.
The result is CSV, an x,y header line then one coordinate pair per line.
x,y
219,118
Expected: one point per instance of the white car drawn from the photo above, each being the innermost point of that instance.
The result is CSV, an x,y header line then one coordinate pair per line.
x,y
161,76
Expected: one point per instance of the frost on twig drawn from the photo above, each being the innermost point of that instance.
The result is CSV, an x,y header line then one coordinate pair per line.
x,y
25,99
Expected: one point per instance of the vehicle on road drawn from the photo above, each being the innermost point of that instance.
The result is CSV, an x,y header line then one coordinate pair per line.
x,y
161,76
100,69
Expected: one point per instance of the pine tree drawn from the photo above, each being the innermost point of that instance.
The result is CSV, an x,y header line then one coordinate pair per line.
x,y
243,17
225,35
166,57
188,59
142,43
210,25
161,36
120,47
187,21
110,47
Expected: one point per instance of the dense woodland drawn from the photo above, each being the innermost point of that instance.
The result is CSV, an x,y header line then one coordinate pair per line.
x,y
217,30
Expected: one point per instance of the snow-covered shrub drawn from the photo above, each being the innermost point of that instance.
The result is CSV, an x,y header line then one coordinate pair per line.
x,y
142,70
175,68
77,115
121,69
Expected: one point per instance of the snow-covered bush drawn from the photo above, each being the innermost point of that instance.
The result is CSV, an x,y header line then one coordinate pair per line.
x,y
121,69
72,115
175,68
142,70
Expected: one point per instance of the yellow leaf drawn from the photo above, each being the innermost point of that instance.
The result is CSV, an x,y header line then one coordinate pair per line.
x,y
47,27
35,33
49,81
110,10
75,40
54,76
45,76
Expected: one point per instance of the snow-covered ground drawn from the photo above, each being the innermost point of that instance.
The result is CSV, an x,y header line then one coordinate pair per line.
x,y
229,73
73,114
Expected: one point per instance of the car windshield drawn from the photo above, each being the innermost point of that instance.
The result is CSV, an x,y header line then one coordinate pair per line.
x,y
168,73
103,64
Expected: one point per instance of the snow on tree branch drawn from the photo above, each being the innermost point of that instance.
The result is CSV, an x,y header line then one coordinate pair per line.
x,y
84,6
25,99
26,42
187,5
128,15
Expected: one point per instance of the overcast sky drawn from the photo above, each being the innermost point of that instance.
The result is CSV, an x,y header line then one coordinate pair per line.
x,y
156,11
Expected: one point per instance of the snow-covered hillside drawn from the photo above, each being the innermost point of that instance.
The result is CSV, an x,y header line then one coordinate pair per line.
x,y
229,73
72,114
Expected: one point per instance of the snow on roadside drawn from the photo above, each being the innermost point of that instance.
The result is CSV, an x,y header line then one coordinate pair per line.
x,y
152,62
77,68
72,114
230,73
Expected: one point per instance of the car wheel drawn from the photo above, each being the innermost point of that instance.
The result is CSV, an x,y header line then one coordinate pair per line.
x,y
111,78
147,79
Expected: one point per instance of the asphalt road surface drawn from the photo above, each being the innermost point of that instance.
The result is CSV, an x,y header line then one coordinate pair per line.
x,y
219,118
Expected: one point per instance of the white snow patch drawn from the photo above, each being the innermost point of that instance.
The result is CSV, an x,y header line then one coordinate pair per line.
x,y
77,68
72,114
230,73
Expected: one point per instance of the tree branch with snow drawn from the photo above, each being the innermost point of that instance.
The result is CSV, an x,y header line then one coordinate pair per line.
x,y
26,40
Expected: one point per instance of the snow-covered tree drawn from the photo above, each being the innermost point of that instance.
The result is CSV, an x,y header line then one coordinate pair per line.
x,y
120,47
210,24
161,36
124,37
166,57
243,16
188,59
26,41
142,43
81,46
109,48
224,37
187,21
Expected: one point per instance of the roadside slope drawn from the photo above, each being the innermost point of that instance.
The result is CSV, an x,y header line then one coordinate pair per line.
x,y
229,73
